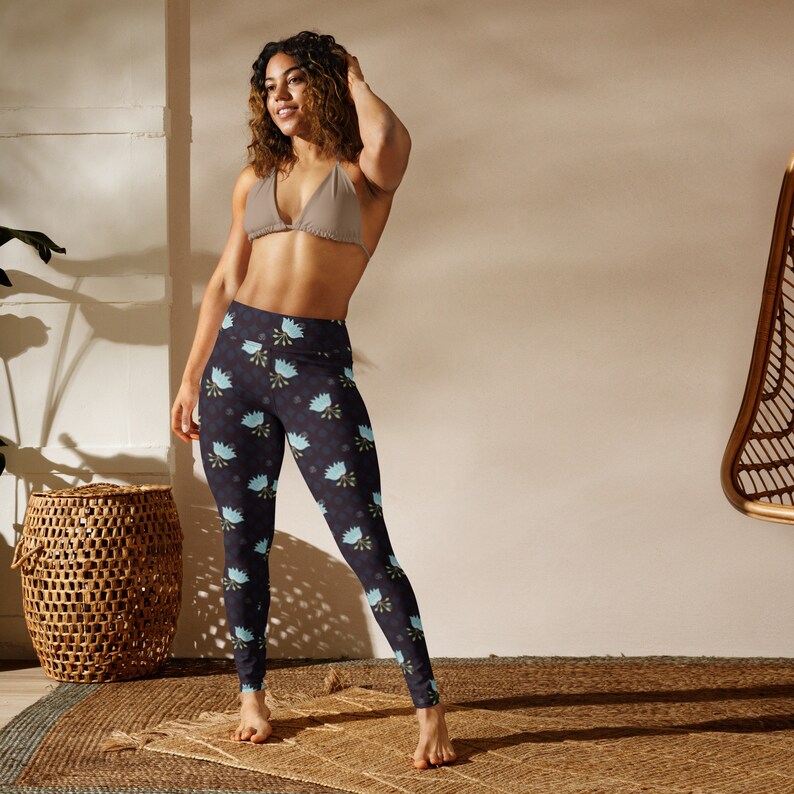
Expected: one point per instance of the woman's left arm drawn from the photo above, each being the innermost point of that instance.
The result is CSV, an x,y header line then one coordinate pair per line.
x,y
384,158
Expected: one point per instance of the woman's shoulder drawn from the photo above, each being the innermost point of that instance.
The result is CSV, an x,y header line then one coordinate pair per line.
x,y
246,179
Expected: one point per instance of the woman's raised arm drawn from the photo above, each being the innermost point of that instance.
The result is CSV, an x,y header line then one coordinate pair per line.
x,y
387,144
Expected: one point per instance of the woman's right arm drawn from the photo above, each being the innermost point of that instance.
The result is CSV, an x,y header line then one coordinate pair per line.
x,y
220,291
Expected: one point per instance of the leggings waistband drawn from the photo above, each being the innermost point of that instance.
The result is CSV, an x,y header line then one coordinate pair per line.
x,y
286,332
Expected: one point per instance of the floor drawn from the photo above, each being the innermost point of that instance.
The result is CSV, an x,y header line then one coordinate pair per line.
x,y
21,684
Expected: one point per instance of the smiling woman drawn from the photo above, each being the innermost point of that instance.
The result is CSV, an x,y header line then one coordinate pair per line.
x,y
271,362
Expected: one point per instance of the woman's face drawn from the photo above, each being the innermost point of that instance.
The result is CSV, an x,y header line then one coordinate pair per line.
x,y
285,83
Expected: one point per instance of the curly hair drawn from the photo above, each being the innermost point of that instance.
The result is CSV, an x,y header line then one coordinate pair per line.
x,y
333,117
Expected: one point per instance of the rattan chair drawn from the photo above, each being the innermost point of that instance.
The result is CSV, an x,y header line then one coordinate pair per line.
x,y
758,465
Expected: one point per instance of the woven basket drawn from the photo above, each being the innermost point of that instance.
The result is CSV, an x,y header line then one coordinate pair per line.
x,y
101,579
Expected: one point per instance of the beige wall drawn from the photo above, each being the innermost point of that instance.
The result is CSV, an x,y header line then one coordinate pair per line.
x,y
85,338
554,333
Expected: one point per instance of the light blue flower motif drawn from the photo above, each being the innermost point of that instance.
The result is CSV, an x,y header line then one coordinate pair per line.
x,y
221,454
393,568
432,692
352,535
254,350
219,381
297,443
263,639
228,320
405,666
375,506
356,538
241,637
321,403
235,580
262,547
256,422
260,486
321,505
347,379
377,602
415,630
365,440
338,472
289,330
284,370
250,688
230,518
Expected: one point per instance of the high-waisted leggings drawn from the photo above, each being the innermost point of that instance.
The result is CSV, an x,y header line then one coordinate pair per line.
x,y
269,377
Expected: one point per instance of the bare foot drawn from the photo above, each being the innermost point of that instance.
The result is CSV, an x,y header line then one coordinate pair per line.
x,y
254,716
434,747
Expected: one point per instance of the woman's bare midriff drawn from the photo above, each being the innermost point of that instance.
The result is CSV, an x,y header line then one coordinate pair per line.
x,y
295,272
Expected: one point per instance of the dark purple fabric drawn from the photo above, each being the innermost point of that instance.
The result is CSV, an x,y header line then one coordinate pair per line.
x,y
274,378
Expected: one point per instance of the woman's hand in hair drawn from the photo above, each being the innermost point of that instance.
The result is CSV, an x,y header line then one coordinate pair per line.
x,y
354,74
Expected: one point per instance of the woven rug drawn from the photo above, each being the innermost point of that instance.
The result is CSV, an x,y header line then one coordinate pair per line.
x,y
566,725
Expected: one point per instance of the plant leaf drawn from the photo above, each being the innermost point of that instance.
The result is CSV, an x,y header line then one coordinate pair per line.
x,y
38,240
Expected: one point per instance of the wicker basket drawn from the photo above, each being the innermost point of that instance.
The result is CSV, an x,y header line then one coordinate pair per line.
x,y
101,579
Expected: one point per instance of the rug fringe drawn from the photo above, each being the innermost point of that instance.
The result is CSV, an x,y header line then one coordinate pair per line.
x,y
334,681
119,740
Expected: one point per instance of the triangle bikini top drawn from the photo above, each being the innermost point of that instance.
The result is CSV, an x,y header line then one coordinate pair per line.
x,y
333,211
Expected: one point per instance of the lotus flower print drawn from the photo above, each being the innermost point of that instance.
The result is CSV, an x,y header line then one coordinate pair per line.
x,y
235,579
221,454
432,692
250,688
230,518
263,640
375,506
323,406
321,505
254,350
289,330
219,381
283,372
415,630
346,379
260,486
255,420
339,474
297,443
393,568
377,602
262,547
364,440
357,539
241,637
405,664
228,320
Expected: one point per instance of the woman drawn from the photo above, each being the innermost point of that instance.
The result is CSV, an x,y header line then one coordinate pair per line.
x,y
271,359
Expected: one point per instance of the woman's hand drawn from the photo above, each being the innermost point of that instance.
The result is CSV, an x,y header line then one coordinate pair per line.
x,y
354,73
182,412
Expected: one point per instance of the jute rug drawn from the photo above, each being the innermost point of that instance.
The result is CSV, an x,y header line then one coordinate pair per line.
x,y
529,724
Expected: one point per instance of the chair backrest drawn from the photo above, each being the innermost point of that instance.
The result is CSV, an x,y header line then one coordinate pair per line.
x,y
757,470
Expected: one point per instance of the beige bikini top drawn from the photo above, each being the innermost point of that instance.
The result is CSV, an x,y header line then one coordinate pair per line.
x,y
333,211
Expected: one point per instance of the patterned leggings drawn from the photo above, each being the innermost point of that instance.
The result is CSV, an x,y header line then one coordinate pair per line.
x,y
269,376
